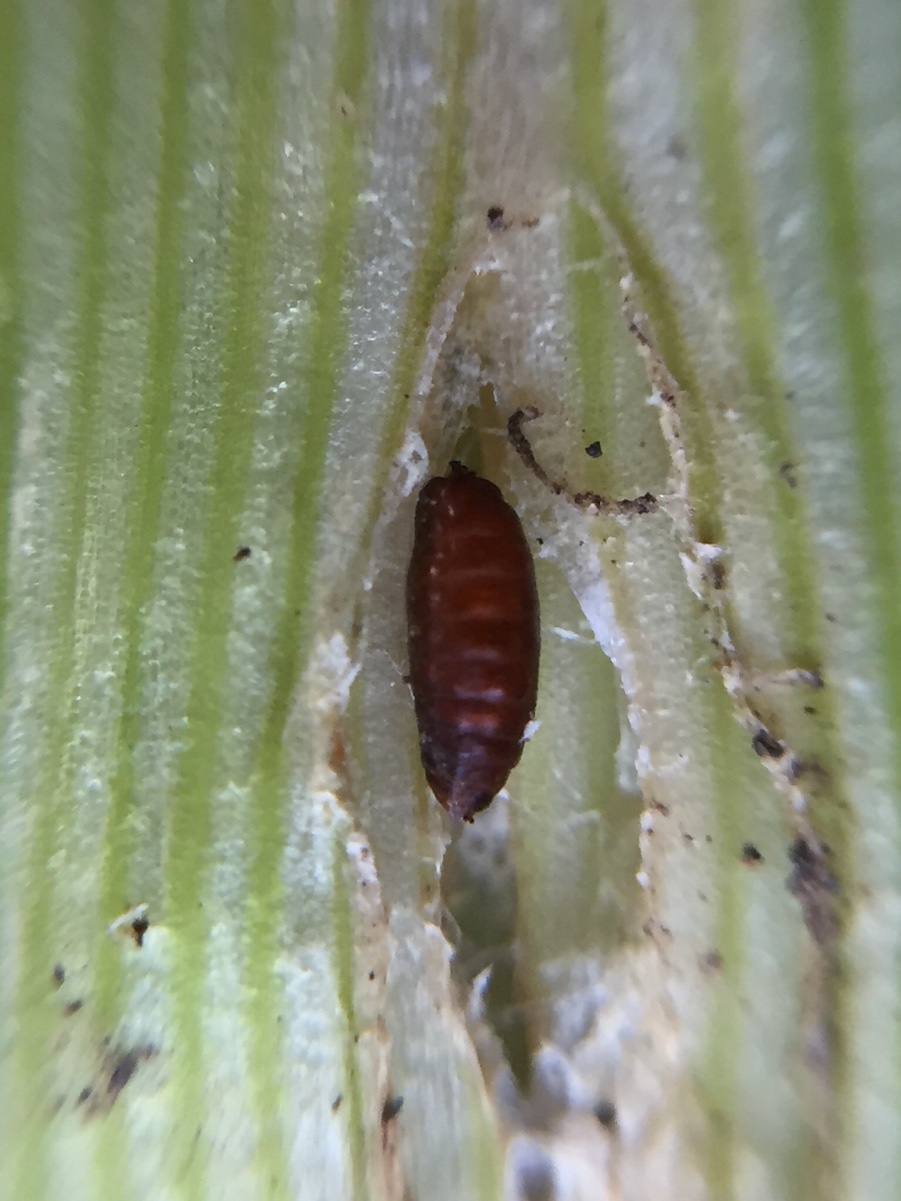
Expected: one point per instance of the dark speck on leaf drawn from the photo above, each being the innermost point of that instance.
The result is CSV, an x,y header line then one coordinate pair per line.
x,y
605,1112
813,884
765,745
122,1072
789,473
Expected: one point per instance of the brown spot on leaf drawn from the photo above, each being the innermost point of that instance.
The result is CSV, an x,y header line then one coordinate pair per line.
x,y
124,1068
815,887
117,1070
789,473
766,746
139,928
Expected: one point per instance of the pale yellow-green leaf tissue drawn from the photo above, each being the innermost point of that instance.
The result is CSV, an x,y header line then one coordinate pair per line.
x,y
266,267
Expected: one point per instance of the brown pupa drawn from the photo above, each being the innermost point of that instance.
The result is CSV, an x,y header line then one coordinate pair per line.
x,y
474,638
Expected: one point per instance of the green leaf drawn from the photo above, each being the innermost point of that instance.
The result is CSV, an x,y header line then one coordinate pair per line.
x,y
266,267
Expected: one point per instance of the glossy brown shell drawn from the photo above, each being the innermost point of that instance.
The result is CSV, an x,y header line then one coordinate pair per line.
x,y
472,608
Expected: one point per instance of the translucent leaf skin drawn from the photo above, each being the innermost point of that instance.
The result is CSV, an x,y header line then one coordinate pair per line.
x,y
263,269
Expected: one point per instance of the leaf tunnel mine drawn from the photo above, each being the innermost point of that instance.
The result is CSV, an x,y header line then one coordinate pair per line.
x,y
474,638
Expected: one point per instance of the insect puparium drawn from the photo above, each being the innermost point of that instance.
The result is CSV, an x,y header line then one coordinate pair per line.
x,y
474,627
474,638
